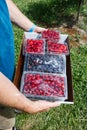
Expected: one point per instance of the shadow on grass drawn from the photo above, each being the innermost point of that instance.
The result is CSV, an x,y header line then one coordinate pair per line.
x,y
52,13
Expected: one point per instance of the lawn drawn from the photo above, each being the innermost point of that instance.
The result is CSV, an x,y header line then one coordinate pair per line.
x,y
65,117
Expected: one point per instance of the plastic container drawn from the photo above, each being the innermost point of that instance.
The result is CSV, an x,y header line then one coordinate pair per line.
x,y
45,63
57,48
51,35
45,86
32,35
35,46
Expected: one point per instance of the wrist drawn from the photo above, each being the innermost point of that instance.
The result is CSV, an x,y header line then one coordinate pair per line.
x,y
32,29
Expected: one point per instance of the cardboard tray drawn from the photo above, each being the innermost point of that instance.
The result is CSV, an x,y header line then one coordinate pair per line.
x,y
19,70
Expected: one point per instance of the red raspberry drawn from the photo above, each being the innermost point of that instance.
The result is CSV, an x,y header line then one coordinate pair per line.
x,y
34,46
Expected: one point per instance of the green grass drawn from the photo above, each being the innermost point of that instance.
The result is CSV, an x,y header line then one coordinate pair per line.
x,y
65,117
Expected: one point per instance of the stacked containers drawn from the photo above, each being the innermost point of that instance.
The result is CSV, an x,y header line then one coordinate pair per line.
x,y
44,73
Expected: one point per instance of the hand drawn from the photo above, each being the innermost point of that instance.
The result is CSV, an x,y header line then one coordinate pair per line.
x,y
39,29
40,106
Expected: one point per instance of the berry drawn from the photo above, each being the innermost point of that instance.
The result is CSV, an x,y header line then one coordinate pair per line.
x,y
56,48
34,46
51,35
45,63
44,85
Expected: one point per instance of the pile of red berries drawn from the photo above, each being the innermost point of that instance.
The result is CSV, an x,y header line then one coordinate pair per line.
x,y
56,48
44,85
51,35
34,46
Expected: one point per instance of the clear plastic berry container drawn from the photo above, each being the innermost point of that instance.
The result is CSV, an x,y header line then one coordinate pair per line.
x,y
51,35
45,63
57,48
33,43
44,86
32,35
36,46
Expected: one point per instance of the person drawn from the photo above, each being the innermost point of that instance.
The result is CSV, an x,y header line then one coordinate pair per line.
x,y
10,97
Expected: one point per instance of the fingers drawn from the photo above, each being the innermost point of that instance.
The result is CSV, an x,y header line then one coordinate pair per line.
x,y
40,105
48,105
39,29
51,104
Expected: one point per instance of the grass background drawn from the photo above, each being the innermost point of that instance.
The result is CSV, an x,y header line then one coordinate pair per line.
x,y
53,13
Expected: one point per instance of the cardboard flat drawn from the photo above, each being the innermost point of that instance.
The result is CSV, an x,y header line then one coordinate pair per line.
x,y
19,70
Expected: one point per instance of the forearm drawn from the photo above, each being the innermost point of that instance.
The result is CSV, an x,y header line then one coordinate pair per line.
x,y
10,95
17,16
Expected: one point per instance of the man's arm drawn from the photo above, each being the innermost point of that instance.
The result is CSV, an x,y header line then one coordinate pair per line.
x,y
19,18
10,96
